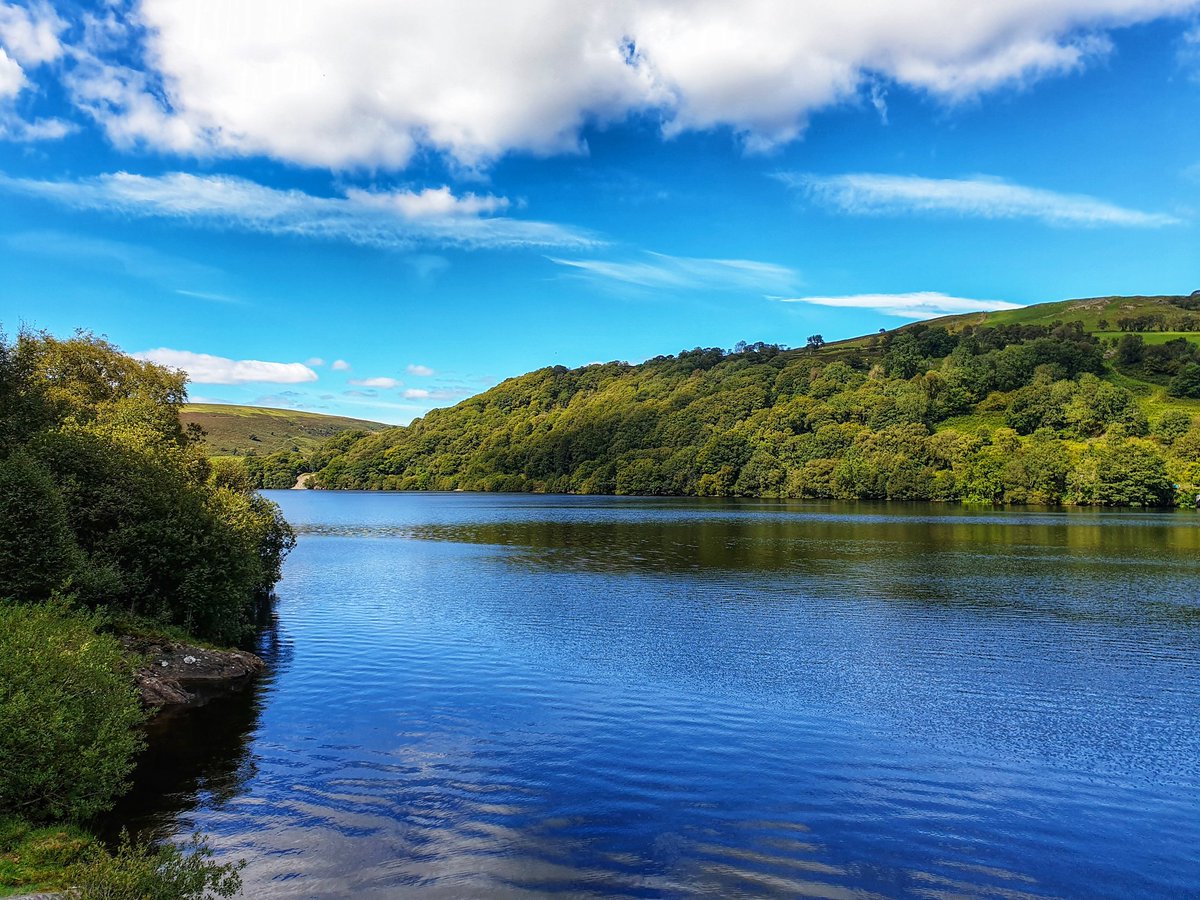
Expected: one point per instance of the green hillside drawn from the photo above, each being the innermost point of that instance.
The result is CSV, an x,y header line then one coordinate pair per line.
x,y
261,431
1018,406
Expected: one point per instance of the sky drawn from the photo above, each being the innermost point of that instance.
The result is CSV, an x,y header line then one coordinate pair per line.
x,y
373,208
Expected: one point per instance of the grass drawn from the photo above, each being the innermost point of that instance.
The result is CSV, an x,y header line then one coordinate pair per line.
x,y
261,431
1153,337
33,859
1089,312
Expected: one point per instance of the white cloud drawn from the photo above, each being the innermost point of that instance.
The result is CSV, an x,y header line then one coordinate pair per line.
x,y
314,361
431,203
658,270
12,76
920,305
203,368
340,365
29,38
30,33
372,219
386,383
368,84
867,193
416,394
422,371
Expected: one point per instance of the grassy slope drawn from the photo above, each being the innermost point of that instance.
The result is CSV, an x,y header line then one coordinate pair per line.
x,y
242,430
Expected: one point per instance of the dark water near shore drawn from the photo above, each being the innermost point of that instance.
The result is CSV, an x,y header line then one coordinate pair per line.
x,y
497,695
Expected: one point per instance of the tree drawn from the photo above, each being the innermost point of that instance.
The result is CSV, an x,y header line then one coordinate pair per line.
x,y
1186,383
814,342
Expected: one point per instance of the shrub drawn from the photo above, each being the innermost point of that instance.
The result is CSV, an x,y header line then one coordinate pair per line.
x,y
68,711
137,872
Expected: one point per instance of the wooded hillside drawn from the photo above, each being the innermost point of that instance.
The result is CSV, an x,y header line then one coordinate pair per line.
x,y
1038,405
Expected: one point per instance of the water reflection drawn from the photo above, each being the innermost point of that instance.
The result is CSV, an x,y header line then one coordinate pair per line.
x,y
199,757
516,696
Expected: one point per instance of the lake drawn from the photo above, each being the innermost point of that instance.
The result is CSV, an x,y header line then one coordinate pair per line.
x,y
515,695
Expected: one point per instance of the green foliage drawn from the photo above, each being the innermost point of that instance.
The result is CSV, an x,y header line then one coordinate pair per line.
x,y
818,422
136,871
102,489
1186,382
36,542
67,713
1122,473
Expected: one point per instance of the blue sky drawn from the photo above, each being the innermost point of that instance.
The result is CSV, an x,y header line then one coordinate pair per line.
x,y
372,209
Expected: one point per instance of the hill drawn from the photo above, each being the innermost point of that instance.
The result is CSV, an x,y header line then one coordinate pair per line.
x,y
261,431
1041,404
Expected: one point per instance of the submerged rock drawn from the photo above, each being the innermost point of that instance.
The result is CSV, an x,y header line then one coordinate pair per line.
x,y
183,675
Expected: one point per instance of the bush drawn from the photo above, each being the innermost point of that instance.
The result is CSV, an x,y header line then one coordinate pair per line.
x,y
68,713
137,872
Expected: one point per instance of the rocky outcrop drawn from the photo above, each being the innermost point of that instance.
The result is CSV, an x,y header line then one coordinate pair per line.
x,y
174,674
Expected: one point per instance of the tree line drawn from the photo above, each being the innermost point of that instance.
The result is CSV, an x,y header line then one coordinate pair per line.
x,y
1003,414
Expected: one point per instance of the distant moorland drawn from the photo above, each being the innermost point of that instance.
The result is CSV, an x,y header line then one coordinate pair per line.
x,y
1086,402
256,430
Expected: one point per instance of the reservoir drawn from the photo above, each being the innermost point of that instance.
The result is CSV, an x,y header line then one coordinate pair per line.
x,y
517,695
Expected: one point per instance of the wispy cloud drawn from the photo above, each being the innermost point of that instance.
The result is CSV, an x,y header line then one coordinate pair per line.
x,y
386,384
206,295
419,370
658,270
133,260
443,393
385,219
866,193
920,305
203,368
340,365
29,40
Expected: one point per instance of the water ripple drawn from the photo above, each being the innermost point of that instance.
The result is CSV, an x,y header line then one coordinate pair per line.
x,y
611,697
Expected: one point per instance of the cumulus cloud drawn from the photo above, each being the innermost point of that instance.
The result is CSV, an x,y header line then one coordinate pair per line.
x,y
368,84
314,361
419,370
920,305
659,270
371,219
340,365
203,368
385,383
867,193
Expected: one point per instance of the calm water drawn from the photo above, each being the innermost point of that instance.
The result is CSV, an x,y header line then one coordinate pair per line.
x,y
510,696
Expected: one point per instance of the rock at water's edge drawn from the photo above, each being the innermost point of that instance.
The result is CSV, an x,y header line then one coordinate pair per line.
x,y
180,674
